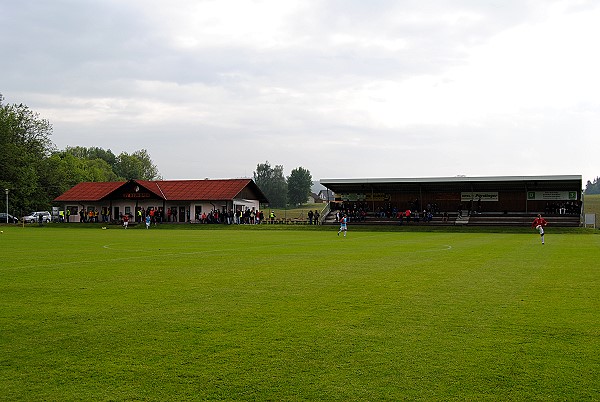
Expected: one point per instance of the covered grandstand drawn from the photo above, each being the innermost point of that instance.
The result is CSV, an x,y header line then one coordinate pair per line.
x,y
497,200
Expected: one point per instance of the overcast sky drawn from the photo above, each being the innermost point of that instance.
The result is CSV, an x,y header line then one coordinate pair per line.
x,y
343,88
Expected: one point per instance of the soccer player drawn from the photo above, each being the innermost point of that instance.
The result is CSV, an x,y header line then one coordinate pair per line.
x,y
538,224
343,225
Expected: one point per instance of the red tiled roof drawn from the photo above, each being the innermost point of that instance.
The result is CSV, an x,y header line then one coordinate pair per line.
x,y
183,190
88,191
179,190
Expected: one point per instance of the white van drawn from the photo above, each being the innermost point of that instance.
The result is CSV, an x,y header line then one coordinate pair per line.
x,y
35,217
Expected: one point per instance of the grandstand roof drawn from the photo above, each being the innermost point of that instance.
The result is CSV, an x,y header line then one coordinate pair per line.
x,y
462,183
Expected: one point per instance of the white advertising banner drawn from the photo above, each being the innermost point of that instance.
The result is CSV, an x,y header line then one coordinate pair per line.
x,y
352,197
552,195
479,196
590,219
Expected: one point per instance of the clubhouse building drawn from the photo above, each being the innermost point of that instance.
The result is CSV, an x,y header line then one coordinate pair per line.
x,y
170,200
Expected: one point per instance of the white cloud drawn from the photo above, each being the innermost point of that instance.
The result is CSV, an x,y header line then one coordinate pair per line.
x,y
343,88
523,70
190,25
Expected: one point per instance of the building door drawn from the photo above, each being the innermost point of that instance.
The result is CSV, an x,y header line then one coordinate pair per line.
x,y
181,214
116,214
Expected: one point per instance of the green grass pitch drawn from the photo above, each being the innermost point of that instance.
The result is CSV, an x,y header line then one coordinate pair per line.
x,y
265,314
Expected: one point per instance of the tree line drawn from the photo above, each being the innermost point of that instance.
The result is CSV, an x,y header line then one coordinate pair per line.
x,y
593,187
35,172
281,191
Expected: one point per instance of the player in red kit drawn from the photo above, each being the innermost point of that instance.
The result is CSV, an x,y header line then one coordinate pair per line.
x,y
538,224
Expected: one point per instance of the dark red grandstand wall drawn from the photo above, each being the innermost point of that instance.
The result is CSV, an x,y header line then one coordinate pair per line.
x,y
508,202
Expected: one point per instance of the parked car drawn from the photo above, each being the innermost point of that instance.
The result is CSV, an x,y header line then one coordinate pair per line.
x,y
11,219
35,217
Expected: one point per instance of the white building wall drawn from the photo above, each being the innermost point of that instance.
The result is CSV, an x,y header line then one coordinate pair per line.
x,y
190,207
246,204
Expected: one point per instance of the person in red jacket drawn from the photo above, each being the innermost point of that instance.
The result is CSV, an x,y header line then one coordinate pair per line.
x,y
539,223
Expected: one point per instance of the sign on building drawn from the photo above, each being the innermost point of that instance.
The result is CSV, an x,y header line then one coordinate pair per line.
x,y
364,197
552,195
479,196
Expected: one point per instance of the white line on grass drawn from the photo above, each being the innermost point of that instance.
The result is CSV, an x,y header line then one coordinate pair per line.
x,y
157,251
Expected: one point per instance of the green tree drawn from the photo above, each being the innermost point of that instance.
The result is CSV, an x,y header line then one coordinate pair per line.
x,y
25,138
35,173
299,183
138,165
93,153
272,183
593,188
62,170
